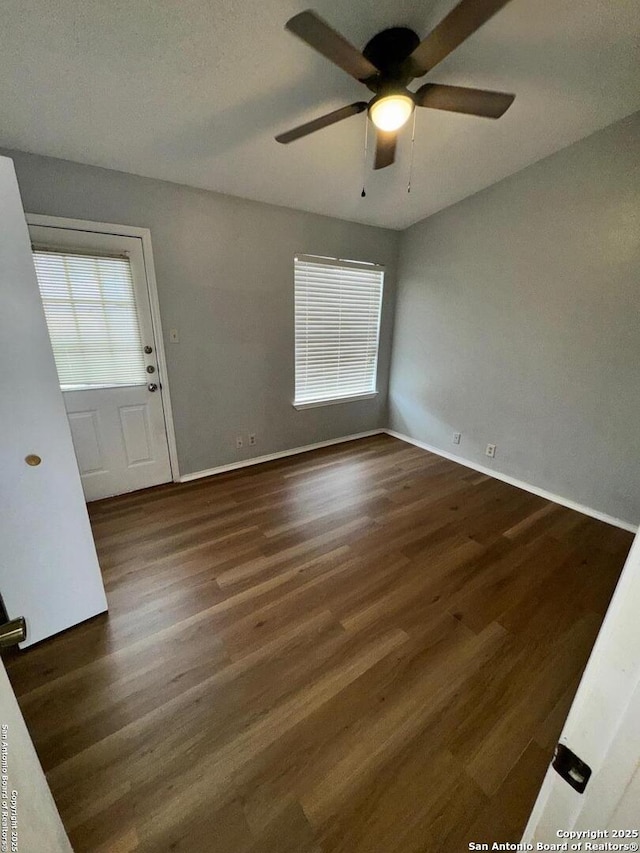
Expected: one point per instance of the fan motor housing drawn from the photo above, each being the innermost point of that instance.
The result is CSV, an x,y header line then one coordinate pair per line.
x,y
389,49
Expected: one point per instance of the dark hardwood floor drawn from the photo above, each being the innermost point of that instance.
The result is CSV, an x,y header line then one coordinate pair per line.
x,y
364,649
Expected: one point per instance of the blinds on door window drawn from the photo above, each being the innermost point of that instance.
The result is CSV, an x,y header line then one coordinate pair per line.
x,y
337,327
89,302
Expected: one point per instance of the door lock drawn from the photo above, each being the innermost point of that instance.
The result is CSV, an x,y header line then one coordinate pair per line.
x,y
148,349
150,368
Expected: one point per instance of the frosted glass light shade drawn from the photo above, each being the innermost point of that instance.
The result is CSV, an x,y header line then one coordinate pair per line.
x,y
391,112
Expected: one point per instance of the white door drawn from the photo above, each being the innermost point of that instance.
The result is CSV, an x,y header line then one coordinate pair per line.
x,y
603,730
49,571
96,300
32,820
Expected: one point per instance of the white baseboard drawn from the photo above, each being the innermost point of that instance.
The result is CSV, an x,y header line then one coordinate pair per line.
x,y
513,481
460,460
280,454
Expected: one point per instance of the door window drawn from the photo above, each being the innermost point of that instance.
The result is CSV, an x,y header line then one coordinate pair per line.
x,y
90,307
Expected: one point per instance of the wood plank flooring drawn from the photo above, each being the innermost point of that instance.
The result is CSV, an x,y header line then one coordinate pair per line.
x,y
364,649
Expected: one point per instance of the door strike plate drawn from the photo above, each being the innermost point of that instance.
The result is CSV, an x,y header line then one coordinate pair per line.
x,y
573,770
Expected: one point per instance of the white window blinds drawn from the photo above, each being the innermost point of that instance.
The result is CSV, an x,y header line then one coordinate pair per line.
x,y
337,326
91,312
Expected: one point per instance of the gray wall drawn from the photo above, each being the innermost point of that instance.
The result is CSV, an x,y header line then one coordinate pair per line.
x,y
224,268
517,323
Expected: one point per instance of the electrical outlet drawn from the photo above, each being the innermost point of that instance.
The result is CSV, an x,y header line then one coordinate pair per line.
x,y
490,451
252,439
456,437
174,337
239,442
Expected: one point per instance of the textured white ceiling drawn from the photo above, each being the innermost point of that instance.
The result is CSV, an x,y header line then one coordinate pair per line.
x,y
193,91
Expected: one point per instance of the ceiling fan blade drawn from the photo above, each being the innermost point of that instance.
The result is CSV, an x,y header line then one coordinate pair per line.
x,y
321,37
322,121
467,17
385,148
459,99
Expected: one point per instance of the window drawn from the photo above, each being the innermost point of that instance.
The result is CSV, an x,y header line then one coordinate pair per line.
x,y
337,327
91,312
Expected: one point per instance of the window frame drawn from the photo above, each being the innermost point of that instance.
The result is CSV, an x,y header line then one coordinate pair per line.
x,y
340,263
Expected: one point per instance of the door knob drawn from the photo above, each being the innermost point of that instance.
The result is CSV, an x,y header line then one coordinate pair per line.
x,y
152,386
13,632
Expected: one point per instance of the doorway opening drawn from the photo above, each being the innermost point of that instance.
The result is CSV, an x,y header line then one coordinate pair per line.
x,y
98,291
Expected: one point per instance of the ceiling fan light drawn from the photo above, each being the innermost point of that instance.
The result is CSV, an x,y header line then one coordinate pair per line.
x,y
391,112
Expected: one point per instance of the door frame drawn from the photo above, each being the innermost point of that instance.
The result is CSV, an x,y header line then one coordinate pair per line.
x,y
144,235
601,714
39,826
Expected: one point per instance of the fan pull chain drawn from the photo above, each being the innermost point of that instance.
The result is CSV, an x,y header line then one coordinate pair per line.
x,y
413,139
364,171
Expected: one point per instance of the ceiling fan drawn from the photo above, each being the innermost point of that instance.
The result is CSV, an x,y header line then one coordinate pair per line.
x,y
389,62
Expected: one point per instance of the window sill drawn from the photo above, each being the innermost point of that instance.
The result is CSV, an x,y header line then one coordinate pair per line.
x,y
316,404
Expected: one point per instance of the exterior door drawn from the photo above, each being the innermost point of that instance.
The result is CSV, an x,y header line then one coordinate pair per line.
x,y
96,301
